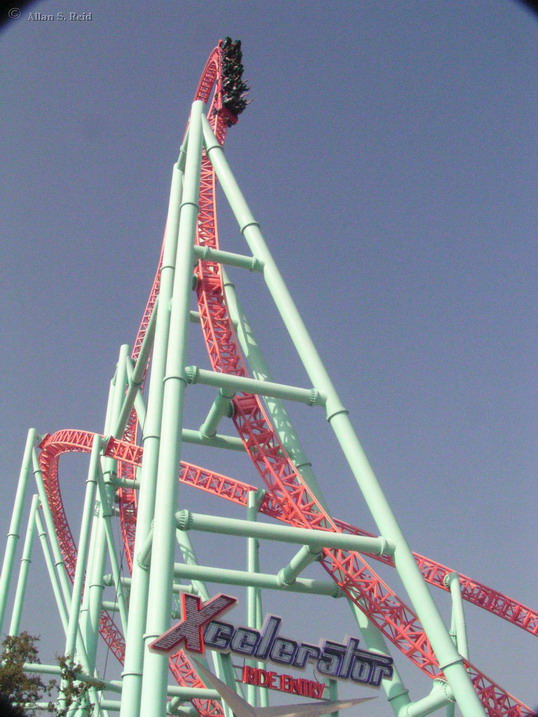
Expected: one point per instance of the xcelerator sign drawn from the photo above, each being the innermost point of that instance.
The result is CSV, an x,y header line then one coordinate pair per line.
x,y
200,629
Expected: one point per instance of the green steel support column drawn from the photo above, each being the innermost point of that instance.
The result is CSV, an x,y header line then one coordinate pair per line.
x,y
135,375
397,694
112,553
84,610
451,708
24,568
174,708
53,577
333,696
51,531
253,566
292,444
83,545
117,415
134,647
449,660
118,482
61,572
81,566
60,569
154,681
94,577
223,662
452,581
264,692
95,536
143,558
15,525
138,400
260,370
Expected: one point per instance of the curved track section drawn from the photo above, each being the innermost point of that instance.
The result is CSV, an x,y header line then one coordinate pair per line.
x,y
287,498
236,491
73,441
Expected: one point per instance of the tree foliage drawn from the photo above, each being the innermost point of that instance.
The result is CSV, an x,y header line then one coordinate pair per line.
x,y
73,691
18,688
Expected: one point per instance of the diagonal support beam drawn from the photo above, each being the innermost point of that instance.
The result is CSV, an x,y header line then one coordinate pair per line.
x,y
136,376
298,563
458,627
222,406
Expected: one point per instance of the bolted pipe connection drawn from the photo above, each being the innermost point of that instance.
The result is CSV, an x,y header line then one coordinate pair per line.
x,y
183,520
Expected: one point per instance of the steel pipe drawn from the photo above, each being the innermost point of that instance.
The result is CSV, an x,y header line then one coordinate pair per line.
x,y
176,587
452,581
440,696
26,559
240,384
136,376
206,253
260,580
134,644
231,443
302,536
155,670
222,406
297,564
15,525
223,662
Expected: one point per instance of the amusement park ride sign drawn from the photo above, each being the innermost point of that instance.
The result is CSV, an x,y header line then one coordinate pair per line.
x,y
199,629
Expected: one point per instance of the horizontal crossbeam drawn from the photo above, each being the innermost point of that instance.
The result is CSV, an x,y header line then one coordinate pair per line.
x,y
301,536
240,261
239,384
258,580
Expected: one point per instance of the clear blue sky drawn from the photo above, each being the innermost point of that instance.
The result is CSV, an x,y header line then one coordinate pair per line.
x,y
390,154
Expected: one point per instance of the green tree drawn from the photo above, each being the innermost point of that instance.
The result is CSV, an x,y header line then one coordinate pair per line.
x,y
17,688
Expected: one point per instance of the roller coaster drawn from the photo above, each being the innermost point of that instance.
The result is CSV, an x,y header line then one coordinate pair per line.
x,y
136,466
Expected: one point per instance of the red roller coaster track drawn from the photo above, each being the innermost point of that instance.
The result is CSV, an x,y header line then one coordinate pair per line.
x,y
287,496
